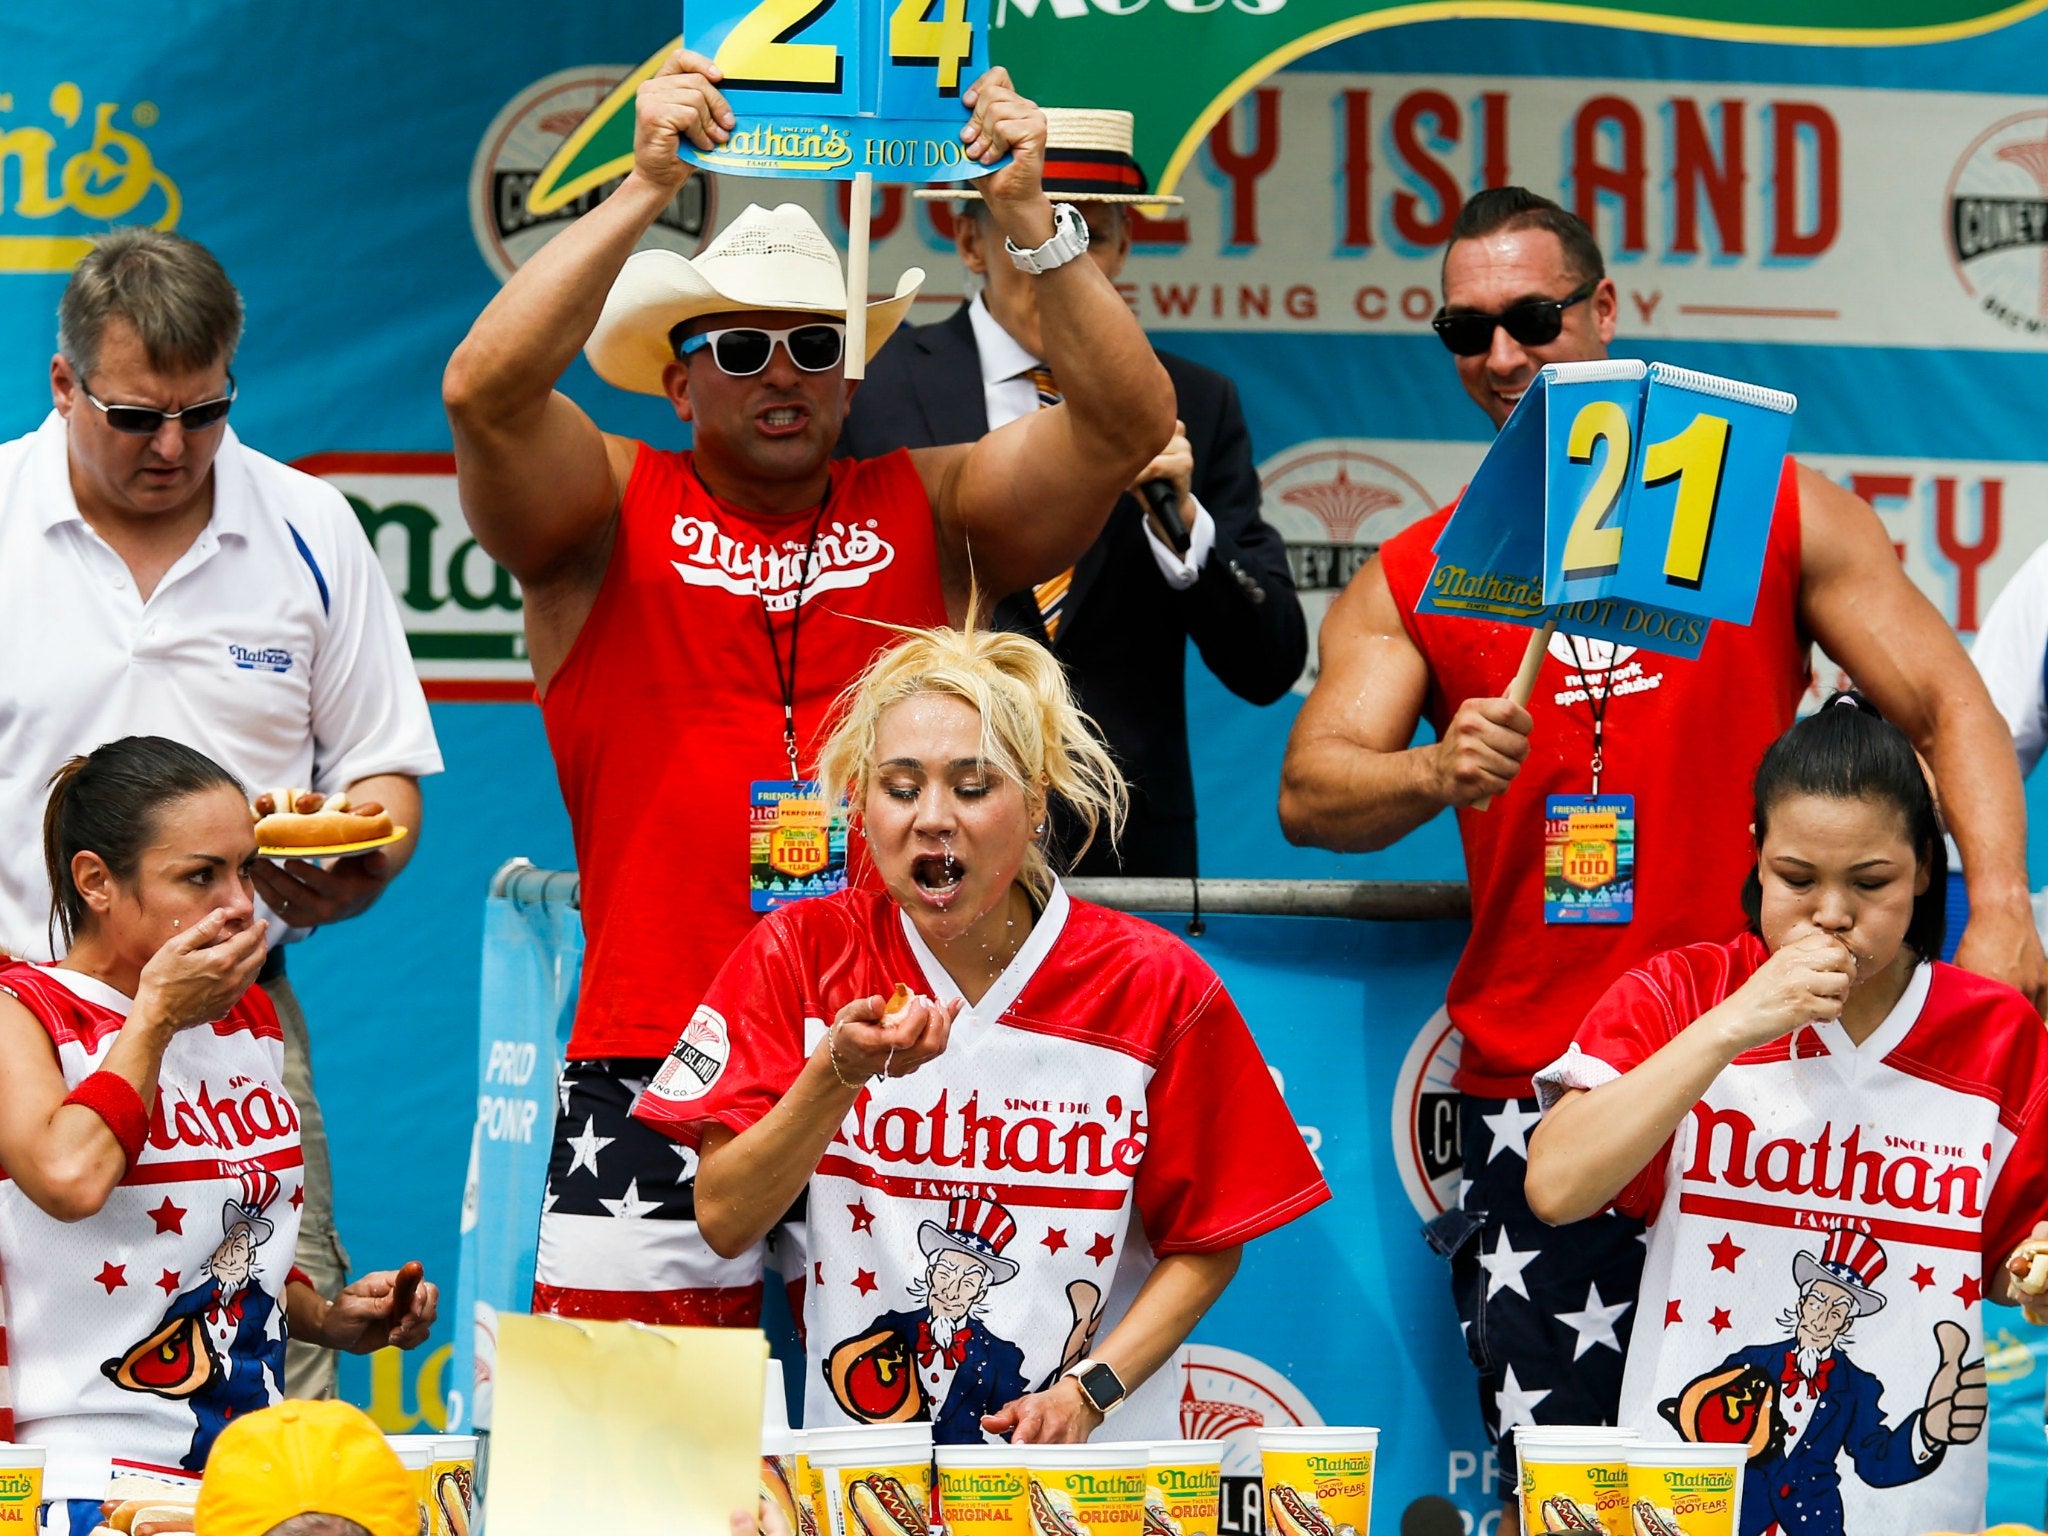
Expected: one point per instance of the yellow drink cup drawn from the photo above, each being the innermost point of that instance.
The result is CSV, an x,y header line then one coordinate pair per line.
x,y
21,1488
1318,1480
984,1490
1183,1482
1088,1490
877,1477
416,1454
812,1518
1685,1489
451,1481
1574,1478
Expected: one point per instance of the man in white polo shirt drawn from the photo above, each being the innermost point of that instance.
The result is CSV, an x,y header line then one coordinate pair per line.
x,y
158,578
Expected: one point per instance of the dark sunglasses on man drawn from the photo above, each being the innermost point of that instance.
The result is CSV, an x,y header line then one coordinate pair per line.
x,y
743,350
147,420
1532,323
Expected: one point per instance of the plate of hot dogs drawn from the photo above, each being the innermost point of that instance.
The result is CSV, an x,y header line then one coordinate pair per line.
x,y
305,824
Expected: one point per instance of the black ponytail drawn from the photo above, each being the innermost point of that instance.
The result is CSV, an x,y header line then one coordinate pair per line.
x,y
1848,751
109,803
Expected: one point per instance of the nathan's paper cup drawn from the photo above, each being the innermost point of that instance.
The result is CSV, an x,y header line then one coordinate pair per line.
x,y
778,1454
812,1518
878,1478
1684,1489
1318,1480
1183,1483
21,1488
451,1484
416,1454
1088,1490
983,1490
1574,1478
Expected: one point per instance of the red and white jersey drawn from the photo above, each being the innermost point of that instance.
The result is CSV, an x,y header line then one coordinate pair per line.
x,y
188,1256
1102,1104
1904,1170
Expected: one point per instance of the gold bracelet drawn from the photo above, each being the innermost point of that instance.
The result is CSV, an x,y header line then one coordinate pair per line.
x,y
832,1051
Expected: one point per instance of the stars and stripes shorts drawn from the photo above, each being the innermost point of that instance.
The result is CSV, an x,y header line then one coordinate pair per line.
x,y
1546,1310
618,1230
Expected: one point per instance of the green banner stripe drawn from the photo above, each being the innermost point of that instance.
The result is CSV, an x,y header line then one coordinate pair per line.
x,y
466,647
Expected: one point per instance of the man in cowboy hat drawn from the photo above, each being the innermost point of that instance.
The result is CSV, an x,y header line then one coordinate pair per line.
x,y
690,617
1185,555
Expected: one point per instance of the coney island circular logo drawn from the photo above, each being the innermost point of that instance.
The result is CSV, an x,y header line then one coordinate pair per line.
x,y
1230,1397
1334,503
1998,222
1425,1128
521,140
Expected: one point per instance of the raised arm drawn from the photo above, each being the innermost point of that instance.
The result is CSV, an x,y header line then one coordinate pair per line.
x,y
1025,502
540,484
1854,599
1350,780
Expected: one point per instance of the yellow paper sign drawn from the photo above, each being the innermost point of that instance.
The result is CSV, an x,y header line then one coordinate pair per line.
x,y
618,1427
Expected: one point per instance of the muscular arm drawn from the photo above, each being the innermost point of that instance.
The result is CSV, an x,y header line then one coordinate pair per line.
x,y
1855,599
1350,780
745,1182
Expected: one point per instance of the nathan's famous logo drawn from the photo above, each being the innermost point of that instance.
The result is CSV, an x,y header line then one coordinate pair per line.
x,y
72,164
16,1485
787,147
1334,504
1427,1149
1014,1133
1998,222
528,134
841,555
1895,1172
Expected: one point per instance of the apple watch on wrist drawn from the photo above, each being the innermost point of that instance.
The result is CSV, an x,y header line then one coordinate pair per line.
x,y
1099,1383
1069,239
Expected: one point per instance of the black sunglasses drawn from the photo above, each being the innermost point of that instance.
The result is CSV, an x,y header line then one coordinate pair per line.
x,y
744,350
1533,323
147,420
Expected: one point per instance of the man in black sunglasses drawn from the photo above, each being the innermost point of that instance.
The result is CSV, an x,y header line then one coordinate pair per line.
x,y
691,616
1546,1311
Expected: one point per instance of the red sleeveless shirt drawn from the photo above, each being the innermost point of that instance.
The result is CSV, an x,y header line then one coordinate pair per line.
x,y
668,708
1683,737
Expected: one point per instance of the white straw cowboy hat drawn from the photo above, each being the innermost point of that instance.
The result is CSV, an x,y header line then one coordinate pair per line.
x,y
1088,159
765,259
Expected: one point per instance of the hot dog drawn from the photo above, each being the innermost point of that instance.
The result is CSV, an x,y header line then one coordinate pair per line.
x,y
163,1520
882,1506
899,1001
1048,1516
304,818
1158,1520
1293,1513
1649,1520
1563,1514
451,1492
2033,1279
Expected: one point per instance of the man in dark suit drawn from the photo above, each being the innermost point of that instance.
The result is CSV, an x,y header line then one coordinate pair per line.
x,y
1208,568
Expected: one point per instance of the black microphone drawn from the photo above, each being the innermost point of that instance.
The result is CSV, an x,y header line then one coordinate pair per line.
x,y
1164,501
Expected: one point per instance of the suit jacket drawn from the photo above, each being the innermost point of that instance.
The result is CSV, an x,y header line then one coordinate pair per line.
x,y
1802,1490
1124,632
990,1376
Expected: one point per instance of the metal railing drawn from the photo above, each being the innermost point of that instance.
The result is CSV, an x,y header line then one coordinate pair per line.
x,y
1368,900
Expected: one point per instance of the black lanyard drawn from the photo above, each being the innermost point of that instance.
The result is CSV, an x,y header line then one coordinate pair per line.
x,y
1596,702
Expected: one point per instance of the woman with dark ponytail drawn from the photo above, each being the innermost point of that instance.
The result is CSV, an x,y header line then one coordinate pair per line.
x,y
152,1154
1828,1130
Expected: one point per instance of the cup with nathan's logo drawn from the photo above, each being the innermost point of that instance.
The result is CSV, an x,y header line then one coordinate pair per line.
x,y
416,1454
1183,1486
1684,1488
1574,1478
1093,1489
451,1484
982,1490
877,1477
1318,1479
21,1488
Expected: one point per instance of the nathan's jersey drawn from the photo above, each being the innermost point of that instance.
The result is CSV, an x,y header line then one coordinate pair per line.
x,y
134,1335
1900,1173
669,707
1522,985
1102,1104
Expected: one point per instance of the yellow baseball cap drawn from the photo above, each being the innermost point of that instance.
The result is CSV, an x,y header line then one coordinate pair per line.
x,y
301,1458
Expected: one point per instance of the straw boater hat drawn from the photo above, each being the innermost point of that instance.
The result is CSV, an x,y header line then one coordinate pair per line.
x,y
1088,159
767,258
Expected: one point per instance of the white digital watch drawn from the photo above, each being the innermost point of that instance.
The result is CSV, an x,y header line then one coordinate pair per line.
x,y
1069,239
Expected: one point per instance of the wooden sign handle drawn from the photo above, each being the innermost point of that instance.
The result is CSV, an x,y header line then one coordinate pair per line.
x,y
857,275
1525,680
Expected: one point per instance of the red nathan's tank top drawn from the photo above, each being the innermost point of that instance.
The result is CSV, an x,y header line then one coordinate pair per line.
x,y
1683,737
668,708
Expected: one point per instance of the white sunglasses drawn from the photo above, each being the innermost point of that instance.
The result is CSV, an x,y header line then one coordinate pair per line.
x,y
743,350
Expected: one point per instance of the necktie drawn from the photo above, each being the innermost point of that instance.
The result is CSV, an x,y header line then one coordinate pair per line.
x,y
1051,595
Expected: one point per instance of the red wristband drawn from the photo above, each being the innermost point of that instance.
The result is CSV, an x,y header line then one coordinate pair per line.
x,y
299,1275
114,1099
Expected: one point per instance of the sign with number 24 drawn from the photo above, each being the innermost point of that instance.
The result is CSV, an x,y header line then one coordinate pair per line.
x,y
831,88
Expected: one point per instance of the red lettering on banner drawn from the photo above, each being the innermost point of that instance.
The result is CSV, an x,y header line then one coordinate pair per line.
x,y
1593,179
1968,558
1175,300
1826,1170
1410,222
1873,488
1646,305
1493,121
1300,302
1243,169
1357,200
1164,235
1694,168
885,213
1794,123
945,217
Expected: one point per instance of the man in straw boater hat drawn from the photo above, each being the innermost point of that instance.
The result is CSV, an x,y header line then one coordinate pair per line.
x,y
1206,568
690,616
